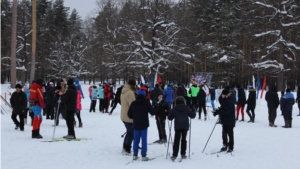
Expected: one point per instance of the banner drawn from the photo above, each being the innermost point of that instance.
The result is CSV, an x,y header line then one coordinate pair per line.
x,y
202,78
253,79
263,87
258,87
151,82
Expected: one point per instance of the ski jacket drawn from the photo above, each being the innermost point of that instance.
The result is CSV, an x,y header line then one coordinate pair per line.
x,y
118,94
181,114
241,97
70,98
138,112
272,98
161,110
201,97
127,97
100,92
36,95
147,92
194,90
212,93
78,86
227,112
169,94
180,92
155,93
78,101
90,90
233,95
18,102
107,91
251,101
94,93
56,98
50,95
288,101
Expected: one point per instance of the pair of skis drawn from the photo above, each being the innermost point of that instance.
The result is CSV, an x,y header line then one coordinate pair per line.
x,y
218,152
150,159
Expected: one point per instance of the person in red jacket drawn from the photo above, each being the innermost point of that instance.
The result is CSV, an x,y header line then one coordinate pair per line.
x,y
107,94
37,102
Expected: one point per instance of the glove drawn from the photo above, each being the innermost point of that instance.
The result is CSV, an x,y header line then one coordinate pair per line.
x,y
216,112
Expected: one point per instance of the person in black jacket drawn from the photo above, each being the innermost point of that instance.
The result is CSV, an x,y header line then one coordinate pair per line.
x,y
50,90
69,99
288,101
298,99
18,102
201,97
117,99
273,103
162,110
181,114
154,94
138,111
241,102
212,92
251,104
227,116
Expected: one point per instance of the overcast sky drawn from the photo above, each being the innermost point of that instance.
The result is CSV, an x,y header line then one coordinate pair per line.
x,y
83,7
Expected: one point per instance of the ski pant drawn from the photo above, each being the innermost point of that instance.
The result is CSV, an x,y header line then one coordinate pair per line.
x,y
50,111
115,103
93,105
252,114
228,131
101,104
188,102
202,106
138,135
70,122
78,116
107,101
21,118
194,102
272,115
240,107
287,114
129,135
112,102
180,135
38,118
212,104
161,129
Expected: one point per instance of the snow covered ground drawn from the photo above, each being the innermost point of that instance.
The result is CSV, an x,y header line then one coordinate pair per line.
x,y
256,145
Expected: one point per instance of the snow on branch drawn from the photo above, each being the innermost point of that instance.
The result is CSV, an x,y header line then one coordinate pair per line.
x,y
273,32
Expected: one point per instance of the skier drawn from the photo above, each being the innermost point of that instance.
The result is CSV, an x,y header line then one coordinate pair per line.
x,y
162,110
251,103
298,99
241,102
101,98
288,101
37,104
154,94
117,99
27,92
280,102
273,103
127,97
50,90
201,98
227,116
69,99
90,91
94,99
169,95
18,102
78,106
181,113
138,112
78,87
212,92
107,95
194,90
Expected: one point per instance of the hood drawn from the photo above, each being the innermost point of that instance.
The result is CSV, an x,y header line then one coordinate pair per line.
x,y
140,98
288,95
180,107
77,81
72,87
274,88
127,88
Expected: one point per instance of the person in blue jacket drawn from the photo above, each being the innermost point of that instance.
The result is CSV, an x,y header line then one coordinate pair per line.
x,y
94,99
288,101
169,95
101,98
227,116
78,86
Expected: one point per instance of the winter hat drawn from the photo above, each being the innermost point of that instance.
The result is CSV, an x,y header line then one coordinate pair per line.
x,y
131,82
288,90
141,93
180,100
39,81
25,87
70,82
58,87
225,92
18,86
51,83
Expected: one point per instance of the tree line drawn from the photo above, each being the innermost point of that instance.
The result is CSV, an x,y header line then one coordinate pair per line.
x,y
125,39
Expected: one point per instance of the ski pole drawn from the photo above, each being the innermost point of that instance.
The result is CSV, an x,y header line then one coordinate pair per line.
x,y
124,134
169,140
169,127
190,138
210,136
56,118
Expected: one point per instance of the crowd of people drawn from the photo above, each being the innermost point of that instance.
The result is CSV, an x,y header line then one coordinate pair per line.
x,y
171,102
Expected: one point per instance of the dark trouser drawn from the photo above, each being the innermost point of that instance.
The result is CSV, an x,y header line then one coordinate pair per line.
x,y
112,102
129,135
50,112
101,104
93,105
115,103
78,115
161,129
248,110
194,102
30,113
21,118
228,131
179,134
272,115
107,101
61,111
70,122
202,106
287,115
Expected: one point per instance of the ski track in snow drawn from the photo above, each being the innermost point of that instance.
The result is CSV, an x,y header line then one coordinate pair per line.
x,y
256,145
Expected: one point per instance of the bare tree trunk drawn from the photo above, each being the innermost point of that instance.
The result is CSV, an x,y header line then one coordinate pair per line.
x,y
13,71
32,71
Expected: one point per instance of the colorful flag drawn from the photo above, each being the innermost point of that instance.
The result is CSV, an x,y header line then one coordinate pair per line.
x,y
263,87
253,79
142,79
159,80
258,87
151,82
